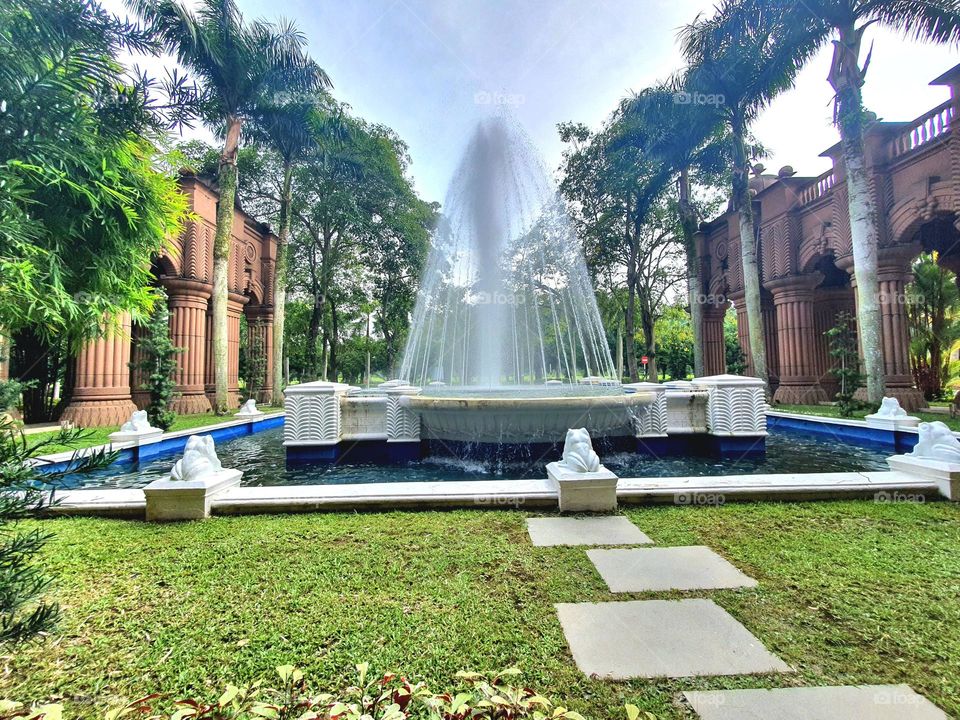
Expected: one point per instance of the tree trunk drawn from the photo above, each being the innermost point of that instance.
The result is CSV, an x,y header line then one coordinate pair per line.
x,y
227,182
630,321
280,283
334,331
649,335
688,224
847,79
748,250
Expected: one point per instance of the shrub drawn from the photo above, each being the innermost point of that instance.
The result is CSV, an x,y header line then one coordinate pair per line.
x,y
158,365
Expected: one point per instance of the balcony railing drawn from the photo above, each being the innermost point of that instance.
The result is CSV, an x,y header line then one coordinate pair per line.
x,y
925,128
818,188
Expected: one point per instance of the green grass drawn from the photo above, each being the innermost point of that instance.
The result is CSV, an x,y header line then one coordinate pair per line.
x,y
99,436
834,412
850,592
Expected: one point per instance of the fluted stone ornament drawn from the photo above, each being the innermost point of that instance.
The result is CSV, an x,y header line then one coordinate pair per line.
x,y
249,409
583,484
195,480
936,456
890,416
135,430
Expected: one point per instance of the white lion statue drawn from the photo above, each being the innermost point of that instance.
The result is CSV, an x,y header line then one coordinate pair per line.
x,y
138,422
199,459
937,442
578,454
249,408
890,408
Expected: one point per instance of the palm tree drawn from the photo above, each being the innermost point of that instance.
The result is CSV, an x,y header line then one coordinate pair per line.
x,y
843,22
739,60
291,129
683,138
239,66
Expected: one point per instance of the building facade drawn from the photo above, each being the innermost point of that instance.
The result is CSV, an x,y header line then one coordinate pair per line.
x,y
805,253
105,390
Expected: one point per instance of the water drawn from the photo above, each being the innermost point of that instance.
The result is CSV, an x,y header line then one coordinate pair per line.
x,y
505,298
263,461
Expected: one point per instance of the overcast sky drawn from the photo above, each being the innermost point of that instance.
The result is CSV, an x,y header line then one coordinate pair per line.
x,y
431,68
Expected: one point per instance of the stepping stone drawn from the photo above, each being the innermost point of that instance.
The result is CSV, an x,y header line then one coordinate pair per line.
x,y
662,638
614,530
867,702
671,568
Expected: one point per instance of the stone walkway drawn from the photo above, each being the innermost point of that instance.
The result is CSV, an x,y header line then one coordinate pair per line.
x,y
693,637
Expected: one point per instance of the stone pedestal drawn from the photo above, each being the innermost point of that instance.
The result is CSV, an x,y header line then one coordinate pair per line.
x,y
793,300
313,417
651,420
188,302
403,425
584,492
101,391
169,499
945,474
135,437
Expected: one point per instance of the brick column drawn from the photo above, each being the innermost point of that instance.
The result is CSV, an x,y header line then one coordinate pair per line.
x,y
894,274
188,302
260,324
793,301
715,349
101,391
235,303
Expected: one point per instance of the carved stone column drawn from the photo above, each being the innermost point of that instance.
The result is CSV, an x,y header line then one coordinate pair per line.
x,y
141,397
743,331
828,303
894,274
714,344
101,391
188,302
793,300
235,303
260,332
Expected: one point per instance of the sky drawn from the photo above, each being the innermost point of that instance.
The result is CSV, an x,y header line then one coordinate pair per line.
x,y
431,68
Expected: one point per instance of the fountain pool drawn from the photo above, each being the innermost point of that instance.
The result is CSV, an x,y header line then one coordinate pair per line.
x,y
262,458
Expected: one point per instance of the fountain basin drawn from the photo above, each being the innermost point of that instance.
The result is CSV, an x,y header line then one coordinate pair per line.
x,y
508,420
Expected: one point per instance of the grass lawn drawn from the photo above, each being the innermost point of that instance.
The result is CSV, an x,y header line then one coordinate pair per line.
x,y
834,411
850,592
98,436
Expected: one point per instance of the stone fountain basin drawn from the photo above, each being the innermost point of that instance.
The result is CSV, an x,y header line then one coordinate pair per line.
x,y
500,419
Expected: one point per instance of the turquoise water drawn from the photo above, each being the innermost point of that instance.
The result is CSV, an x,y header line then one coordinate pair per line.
x,y
263,461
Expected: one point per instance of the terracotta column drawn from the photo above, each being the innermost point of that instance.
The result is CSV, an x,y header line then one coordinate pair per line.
x,y
260,325
235,303
828,303
793,300
188,300
894,274
101,391
743,331
769,313
714,350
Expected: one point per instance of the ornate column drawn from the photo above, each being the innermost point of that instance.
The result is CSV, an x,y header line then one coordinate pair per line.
x,y
743,331
101,391
235,303
894,274
260,332
828,303
769,313
715,349
793,301
188,301
141,398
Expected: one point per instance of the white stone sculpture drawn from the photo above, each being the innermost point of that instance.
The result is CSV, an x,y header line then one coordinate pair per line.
x,y
138,422
937,442
578,453
249,409
890,408
199,460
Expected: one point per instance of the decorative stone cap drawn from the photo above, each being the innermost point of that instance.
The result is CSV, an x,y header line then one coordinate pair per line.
x,y
739,380
318,387
402,390
134,436
648,386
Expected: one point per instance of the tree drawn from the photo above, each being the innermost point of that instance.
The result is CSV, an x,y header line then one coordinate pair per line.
x,y
241,67
675,342
933,310
81,205
844,22
158,365
843,346
292,129
688,140
739,60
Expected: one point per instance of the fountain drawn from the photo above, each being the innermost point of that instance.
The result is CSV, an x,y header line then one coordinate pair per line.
x,y
506,347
